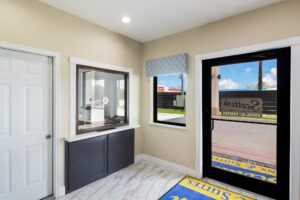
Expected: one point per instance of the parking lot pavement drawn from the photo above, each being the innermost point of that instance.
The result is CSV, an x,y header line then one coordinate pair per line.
x,y
176,118
254,142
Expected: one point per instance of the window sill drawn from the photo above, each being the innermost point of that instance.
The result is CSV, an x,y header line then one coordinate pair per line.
x,y
96,134
168,126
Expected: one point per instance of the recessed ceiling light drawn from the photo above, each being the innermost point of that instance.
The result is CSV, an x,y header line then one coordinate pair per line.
x,y
126,20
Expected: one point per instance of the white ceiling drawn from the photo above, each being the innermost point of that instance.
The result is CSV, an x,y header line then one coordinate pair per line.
x,y
153,19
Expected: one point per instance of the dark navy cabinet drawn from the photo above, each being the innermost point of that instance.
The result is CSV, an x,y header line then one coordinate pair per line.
x,y
120,150
90,159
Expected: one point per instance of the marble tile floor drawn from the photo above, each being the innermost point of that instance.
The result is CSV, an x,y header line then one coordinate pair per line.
x,y
141,181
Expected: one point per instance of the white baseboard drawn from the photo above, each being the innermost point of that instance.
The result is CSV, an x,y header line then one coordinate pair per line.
x,y
138,157
166,164
62,191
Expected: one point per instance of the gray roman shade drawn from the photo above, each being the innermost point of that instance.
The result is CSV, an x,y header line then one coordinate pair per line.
x,y
177,64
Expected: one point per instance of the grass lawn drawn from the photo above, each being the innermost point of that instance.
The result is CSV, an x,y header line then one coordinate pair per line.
x,y
171,111
264,116
182,112
270,117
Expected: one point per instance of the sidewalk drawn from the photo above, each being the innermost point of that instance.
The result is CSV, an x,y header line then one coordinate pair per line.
x,y
176,118
254,142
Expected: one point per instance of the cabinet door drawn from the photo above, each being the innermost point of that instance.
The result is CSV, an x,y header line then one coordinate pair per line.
x,y
120,150
86,161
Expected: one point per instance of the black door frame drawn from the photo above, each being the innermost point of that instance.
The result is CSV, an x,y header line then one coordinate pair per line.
x,y
281,189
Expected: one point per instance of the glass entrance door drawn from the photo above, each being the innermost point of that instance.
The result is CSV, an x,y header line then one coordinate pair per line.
x,y
246,114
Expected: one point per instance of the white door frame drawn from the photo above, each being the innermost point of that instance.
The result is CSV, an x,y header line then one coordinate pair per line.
x,y
56,106
294,43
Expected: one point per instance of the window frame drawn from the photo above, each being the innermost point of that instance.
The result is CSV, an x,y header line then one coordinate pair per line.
x,y
155,120
126,87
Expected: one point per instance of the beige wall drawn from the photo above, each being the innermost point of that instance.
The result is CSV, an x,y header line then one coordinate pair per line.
x,y
30,23
33,24
267,24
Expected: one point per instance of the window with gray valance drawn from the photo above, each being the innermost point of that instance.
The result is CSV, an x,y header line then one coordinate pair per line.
x,y
176,64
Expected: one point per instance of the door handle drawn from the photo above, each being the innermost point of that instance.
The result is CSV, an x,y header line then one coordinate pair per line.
x,y
212,124
48,136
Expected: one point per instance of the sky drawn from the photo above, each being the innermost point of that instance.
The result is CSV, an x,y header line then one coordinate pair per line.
x,y
171,81
243,76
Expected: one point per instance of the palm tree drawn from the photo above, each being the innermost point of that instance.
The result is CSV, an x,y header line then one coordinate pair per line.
x,y
260,82
182,87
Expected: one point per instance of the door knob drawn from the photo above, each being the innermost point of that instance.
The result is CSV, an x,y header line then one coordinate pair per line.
x,y
48,136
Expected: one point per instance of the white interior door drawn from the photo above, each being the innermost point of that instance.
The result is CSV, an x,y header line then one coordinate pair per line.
x,y
25,126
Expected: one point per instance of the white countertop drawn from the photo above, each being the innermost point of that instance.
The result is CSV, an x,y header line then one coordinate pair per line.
x,y
98,133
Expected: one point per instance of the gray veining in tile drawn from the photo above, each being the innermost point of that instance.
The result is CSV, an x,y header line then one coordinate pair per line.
x,y
141,181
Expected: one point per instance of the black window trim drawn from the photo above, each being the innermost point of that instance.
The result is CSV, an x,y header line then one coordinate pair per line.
x,y
155,120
